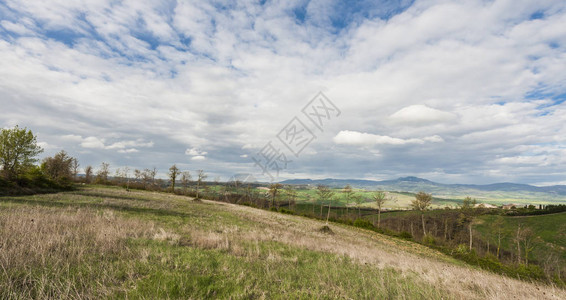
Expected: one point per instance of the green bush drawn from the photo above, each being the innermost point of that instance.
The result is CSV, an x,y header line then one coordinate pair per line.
x,y
530,271
286,211
405,235
362,223
429,240
462,249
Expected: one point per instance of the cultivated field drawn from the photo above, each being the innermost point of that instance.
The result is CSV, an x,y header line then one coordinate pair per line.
x,y
101,242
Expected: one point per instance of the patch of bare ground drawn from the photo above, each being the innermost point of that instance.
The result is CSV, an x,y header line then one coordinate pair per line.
x,y
366,247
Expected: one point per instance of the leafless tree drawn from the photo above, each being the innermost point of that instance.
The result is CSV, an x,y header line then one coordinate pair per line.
x,y
201,176
185,180
103,172
274,192
421,203
359,200
88,174
291,194
469,213
324,194
75,166
126,175
173,173
380,198
349,193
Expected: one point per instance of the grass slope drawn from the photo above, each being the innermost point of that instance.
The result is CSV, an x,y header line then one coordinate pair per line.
x,y
549,232
107,243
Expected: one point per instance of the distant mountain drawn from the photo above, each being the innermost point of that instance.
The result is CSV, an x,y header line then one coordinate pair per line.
x,y
415,184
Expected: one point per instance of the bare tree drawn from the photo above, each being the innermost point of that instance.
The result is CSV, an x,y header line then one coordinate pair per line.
x,y
529,239
118,176
359,199
518,239
291,194
102,174
421,203
88,174
75,166
324,194
151,175
497,226
126,174
173,173
147,178
380,198
469,213
274,192
201,176
349,193
185,180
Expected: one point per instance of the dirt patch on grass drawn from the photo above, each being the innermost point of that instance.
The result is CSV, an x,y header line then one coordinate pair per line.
x,y
326,230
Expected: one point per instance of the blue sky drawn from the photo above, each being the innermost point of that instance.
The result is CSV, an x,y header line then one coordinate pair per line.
x,y
452,91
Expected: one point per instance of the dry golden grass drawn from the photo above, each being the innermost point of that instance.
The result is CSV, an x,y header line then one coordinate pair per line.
x,y
65,252
40,247
366,247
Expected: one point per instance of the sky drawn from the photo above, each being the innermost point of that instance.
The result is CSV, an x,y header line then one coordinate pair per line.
x,y
451,91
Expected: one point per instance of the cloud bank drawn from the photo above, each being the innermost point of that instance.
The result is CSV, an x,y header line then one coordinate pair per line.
x,y
465,91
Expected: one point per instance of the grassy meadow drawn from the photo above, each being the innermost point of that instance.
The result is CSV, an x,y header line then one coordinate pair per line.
x,y
549,239
104,242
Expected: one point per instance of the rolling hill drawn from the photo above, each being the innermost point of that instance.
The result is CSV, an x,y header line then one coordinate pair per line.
x,y
101,242
497,192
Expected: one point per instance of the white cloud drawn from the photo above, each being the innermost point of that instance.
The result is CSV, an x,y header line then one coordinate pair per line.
x,y
125,144
92,142
421,115
131,150
188,73
347,137
18,28
47,146
72,137
195,152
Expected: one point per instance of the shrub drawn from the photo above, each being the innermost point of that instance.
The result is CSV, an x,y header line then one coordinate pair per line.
x,y
405,235
530,271
286,211
462,249
429,240
362,223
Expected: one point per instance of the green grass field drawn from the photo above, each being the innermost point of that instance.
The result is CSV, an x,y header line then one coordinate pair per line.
x,y
104,242
398,200
549,234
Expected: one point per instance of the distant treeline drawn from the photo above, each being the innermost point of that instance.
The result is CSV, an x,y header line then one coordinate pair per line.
x,y
531,211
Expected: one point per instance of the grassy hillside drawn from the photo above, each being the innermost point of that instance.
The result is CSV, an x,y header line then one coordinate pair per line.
x,y
549,235
101,242
401,200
